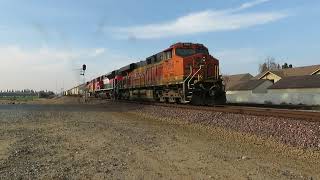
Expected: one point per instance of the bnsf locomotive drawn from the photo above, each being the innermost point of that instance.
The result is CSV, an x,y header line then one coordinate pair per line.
x,y
183,73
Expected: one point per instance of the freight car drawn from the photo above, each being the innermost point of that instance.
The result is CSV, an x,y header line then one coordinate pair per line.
x,y
107,85
76,91
183,73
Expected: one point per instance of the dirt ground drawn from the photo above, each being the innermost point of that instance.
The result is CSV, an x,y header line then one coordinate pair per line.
x,y
111,141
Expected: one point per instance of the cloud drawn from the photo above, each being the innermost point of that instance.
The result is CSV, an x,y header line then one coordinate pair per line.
x,y
15,56
251,4
98,51
200,22
34,68
42,68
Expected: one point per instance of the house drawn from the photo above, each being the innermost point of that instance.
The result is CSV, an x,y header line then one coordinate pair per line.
x,y
233,80
300,85
276,75
296,90
249,91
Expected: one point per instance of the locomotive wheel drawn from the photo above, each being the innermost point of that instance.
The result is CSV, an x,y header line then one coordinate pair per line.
x,y
172,100
218,99
198,98
162,99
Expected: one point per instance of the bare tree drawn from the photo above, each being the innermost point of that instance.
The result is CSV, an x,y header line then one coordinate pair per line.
x,y
269,65
226,79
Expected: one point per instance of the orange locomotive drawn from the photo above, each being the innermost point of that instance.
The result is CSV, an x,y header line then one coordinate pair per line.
x,y
183,73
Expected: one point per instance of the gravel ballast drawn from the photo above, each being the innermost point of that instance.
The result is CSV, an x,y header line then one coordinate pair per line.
x,y
295,132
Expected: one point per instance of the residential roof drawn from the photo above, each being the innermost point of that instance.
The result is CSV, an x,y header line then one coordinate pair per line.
x,y
293,82
248,85
235,79
297,71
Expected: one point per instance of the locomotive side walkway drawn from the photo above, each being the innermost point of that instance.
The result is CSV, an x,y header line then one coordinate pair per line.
x,y
119,140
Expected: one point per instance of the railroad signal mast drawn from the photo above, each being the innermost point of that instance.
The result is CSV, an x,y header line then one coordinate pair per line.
x,y
83,70
82,73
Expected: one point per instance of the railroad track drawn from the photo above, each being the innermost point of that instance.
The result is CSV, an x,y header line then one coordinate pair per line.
x,y
248,110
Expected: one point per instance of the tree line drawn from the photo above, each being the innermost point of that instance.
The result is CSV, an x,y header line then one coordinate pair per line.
x,y
25,93
270,64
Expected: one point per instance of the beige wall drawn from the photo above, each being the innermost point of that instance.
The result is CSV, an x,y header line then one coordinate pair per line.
x,y
246,97
301,90
271,76
263,88
240,97
249,96
289,96
308,96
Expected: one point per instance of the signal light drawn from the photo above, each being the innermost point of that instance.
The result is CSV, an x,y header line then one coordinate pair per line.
x,y
84,67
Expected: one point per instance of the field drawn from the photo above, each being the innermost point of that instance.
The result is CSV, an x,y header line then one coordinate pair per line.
x,y
54,139
18,98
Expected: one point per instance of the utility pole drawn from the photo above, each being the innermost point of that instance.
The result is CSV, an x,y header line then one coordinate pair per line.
x,y
62,89
56,87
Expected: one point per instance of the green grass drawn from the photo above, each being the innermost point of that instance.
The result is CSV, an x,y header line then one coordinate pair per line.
x,y
20,98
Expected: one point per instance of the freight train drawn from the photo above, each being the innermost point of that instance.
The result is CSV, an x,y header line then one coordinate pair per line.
x,y
182,73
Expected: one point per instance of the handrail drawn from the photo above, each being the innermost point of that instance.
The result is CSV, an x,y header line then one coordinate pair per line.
x,y
184,84
194,75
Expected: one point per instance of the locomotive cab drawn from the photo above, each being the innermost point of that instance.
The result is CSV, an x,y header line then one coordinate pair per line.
x,y
202,83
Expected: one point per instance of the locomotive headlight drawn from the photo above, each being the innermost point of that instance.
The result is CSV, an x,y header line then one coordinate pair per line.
x,y
204,59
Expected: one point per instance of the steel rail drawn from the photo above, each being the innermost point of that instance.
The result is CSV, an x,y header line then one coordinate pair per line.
x,y
246,110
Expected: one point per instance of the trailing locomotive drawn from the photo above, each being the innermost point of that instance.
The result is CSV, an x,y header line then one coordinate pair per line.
x,y
183,73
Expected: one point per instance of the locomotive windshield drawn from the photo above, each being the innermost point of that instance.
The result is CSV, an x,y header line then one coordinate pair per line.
x,y
184,52
202,50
